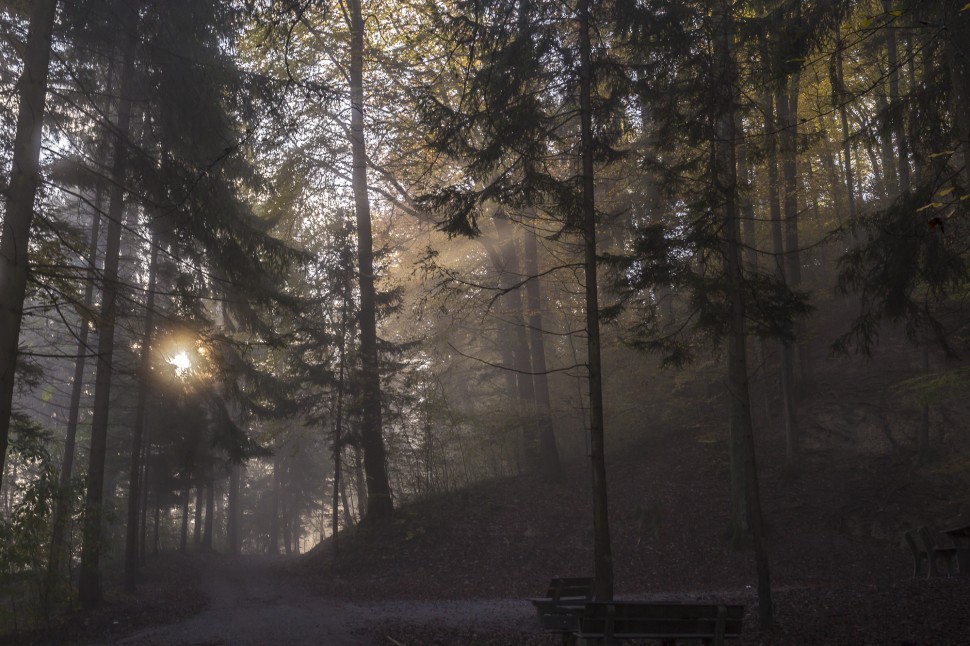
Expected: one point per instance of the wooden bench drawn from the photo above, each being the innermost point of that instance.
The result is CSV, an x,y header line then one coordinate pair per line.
x,y
609,623
559,610
925,548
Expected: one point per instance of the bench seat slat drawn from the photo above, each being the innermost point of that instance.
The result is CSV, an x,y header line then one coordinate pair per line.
x,y
641,620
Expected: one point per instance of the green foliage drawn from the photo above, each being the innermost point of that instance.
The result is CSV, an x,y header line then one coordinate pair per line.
x,y
512,126
25,533
905,268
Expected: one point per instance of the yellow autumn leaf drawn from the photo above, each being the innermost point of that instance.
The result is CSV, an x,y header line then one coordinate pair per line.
x,y
945,153
923,208
964,197
945,192
896,13
865,23
966,6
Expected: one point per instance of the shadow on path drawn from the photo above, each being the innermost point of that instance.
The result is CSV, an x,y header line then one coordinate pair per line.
x,y
250,603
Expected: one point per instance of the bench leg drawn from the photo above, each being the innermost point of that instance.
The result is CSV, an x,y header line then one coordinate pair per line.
x,y
948,564
963,563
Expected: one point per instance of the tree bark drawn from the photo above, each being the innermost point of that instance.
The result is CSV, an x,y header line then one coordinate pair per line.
x,y
896,112
782,247
842,96
890,176
134,467
958,62
274,521
89,587
63,502
548,451
158,504
143,522
285,517
725,165
360,484
19,208
184,533
197,522
379,504
602,548
514,341
836,186
787,104
210,513
750,240
338,426
233,535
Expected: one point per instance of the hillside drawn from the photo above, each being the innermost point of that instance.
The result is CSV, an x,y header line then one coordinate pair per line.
x,y
841,570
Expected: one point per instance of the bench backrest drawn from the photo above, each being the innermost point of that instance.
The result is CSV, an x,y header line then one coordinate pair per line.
x,y
570,590
557,612
660,620
927,538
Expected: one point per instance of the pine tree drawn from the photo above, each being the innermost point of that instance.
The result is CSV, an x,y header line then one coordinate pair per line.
x,y
19,207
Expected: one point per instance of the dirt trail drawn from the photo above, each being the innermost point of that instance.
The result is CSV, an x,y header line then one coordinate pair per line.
x,y
249,603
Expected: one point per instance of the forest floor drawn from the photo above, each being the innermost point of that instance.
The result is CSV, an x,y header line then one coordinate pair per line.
x,y
459,568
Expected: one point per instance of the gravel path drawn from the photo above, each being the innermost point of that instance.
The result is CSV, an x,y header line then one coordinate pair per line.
x,y
250,604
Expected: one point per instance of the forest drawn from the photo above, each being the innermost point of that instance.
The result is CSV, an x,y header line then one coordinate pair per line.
x,y
344,301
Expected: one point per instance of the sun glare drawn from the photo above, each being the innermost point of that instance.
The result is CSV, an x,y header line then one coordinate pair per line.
x,y
181,362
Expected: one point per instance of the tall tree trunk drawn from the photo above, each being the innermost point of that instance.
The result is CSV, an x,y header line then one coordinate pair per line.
x,y
274,521
19,208
522,357
787,103
750,240
349,519
548,451
379,504
793,270
360,486
197,524
836,186
896,111
783,257
738,385
63,502
602,548
233,535
158,504
286,516
184,533
338,426
774,200
89,586
842,97
886,150
210,513
134,467
787,355
514,340
958,62
143,530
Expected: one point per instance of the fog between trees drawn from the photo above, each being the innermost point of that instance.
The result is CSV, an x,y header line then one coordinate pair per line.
x,y
270,269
